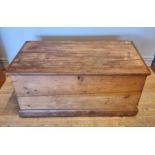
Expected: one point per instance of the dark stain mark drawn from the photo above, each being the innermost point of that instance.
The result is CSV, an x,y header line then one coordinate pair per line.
x,y
78,77
106,102
91,112
126,96
32,47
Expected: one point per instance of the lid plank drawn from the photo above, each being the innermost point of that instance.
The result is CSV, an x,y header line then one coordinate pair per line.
x,y
78,57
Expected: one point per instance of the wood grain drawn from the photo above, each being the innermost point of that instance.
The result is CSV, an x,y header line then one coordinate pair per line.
x,y
78,57
63,85
129,111
102,101
80,76
145,117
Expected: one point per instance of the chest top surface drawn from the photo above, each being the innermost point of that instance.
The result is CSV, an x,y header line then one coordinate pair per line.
x,y
78,57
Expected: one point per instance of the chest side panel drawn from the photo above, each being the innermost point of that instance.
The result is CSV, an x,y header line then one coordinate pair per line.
x,y
78,92
67,85
85,101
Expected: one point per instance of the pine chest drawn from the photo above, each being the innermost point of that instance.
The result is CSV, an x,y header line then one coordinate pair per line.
x,y
78,78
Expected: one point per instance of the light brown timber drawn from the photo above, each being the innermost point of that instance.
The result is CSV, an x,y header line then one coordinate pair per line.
x,y
102,101
67,85
78,78
144,118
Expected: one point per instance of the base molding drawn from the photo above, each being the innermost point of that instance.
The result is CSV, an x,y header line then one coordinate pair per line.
x,y
76,113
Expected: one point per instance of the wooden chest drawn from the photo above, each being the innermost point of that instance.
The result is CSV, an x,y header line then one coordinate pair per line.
x,y
78,78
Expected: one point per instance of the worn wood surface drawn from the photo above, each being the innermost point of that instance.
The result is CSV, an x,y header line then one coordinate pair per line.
x,y
109,94
129,111
67,85
78,57
67,75
84,102
145,117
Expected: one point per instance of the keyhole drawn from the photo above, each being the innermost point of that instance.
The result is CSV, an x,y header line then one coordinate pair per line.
x,y
78,77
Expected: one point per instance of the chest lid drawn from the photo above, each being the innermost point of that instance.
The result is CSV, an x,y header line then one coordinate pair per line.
x,y
78,58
